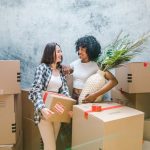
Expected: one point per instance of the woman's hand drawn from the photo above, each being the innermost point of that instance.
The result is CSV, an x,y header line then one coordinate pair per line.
x,y
70,113
89,98
66,69
46,113
59,108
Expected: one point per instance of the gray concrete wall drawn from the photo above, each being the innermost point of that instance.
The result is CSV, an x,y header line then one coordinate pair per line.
x,y
27,25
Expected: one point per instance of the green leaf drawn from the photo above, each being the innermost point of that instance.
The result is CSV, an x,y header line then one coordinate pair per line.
x,y
120,51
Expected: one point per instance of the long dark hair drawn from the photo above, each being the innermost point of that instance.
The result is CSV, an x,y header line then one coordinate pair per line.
x,y
49,53
93,47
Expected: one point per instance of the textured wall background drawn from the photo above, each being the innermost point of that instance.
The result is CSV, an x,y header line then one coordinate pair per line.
x,y
27,25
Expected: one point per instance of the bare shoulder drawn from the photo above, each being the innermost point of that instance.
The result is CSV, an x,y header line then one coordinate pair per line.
x,y
109,76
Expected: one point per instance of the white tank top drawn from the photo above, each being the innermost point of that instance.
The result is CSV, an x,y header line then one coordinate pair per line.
x,y
54,84
82,71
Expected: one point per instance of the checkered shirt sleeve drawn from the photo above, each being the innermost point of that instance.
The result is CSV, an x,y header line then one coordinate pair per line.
x,y
35,94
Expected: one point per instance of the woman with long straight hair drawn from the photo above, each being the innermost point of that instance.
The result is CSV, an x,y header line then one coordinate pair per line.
x,y
48,77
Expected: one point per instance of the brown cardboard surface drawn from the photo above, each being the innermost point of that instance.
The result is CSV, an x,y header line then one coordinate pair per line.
x,y
9,77
114,129
6,104
8,129
147,129
52,100
133,77
11,118
27,105
31,135
18,115
140,101
17,146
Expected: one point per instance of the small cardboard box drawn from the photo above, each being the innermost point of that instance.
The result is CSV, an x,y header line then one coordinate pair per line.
x,y
134,77
140,101
31,135
52,100
111,129
147,129
9,77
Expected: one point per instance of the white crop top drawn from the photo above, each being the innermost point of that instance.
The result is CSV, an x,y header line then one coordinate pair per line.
x,y
54,84
82,71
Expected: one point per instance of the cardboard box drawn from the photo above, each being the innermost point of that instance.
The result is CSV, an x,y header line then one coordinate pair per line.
x,y
27,105
11,119
31,136
134,77
9,77
146,145
113,129
51,102
147,129
140,101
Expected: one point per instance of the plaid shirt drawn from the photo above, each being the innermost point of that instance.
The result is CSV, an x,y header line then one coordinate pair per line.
x,y
42,77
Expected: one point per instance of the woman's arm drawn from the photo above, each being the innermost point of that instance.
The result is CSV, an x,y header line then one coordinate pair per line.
x,y
67,69
112,81
35,94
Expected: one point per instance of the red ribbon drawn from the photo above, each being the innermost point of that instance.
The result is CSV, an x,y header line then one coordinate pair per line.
x,y
98,109
45,96
145,64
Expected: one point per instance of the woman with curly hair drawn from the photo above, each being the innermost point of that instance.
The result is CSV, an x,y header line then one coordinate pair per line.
x,y
88,49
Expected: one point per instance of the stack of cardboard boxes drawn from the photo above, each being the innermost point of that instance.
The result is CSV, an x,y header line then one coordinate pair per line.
x,y
116,127
133,89
10,106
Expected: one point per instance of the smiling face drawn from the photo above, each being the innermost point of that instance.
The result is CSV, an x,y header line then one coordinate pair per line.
x,y
58,54
82,52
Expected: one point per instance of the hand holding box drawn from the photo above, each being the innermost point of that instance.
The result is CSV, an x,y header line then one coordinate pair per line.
x,y
61,106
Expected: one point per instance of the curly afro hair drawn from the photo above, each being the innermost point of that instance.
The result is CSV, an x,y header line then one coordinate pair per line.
x,y
93,47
